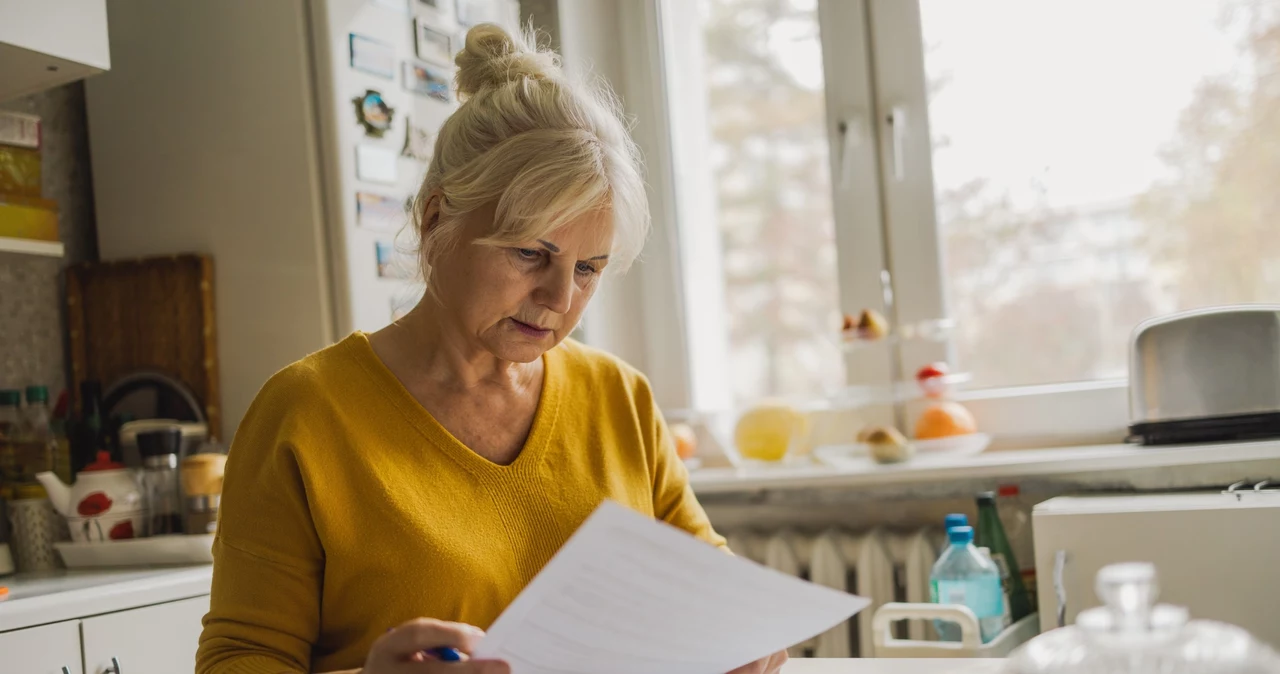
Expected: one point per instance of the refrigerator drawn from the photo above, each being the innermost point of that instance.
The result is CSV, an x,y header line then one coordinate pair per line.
x,y
283,138
1218,553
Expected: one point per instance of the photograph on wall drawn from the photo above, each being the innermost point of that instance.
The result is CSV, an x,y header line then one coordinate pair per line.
x,y
392,263
373,113
379,213
431,43
418,142
426,80
377,164
373,57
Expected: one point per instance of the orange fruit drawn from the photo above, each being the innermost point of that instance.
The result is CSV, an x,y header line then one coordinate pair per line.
x,y
943,420
686,440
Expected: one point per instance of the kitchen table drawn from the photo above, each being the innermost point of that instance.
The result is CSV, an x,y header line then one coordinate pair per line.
x,y
894,666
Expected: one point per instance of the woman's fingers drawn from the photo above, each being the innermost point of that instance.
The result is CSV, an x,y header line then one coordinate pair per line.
x,y
425,633
770,665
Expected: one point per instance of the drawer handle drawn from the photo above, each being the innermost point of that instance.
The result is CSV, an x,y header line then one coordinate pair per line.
x,y
65,670
114,669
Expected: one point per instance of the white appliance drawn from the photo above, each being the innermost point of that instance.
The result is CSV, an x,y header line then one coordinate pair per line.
x,y
230,128
1218,554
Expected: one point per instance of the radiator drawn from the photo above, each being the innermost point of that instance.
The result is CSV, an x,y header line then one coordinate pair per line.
x,y
880,565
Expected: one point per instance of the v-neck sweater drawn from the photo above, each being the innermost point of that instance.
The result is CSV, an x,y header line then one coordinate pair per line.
x,y
348,509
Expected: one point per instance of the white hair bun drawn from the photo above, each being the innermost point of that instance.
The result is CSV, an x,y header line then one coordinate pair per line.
x,y
493,57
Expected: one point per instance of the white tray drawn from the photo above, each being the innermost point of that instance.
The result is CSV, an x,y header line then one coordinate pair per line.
x,y
138,552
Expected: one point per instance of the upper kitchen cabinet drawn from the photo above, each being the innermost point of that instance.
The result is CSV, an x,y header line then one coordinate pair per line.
x,y
46,43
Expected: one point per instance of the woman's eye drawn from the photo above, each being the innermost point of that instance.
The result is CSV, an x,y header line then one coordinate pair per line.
x,y
584,268
528,253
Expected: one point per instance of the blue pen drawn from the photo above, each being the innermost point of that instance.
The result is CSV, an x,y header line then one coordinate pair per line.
x,y
445,654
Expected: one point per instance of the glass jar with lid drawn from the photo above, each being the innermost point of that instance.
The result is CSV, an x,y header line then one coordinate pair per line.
x,y
1131,634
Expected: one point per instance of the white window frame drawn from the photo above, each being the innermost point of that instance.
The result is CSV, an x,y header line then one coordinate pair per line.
x,y
884,216
1069,413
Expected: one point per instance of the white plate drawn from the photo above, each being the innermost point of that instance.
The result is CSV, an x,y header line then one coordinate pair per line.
x,y
956,445
138,552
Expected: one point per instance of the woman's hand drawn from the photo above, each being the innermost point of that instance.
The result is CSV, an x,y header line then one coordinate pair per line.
x,y
769,665
401,651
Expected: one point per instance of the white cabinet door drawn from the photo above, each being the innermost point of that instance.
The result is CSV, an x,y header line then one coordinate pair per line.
x,y
158,639
49,649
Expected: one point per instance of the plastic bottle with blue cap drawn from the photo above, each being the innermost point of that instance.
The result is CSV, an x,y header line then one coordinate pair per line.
x,y
964,576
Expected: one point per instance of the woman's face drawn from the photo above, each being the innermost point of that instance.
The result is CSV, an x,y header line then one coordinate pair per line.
x,y
518,302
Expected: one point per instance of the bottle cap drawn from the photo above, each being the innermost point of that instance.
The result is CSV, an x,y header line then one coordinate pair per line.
x,y
104,462
955,520
986,498
960,535
10,397
160,441
37,394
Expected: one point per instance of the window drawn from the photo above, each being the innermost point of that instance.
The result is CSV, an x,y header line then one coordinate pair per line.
x,y
1111,171
751,139
1047,173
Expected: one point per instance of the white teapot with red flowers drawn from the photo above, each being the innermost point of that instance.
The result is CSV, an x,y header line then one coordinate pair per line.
x,y
104,504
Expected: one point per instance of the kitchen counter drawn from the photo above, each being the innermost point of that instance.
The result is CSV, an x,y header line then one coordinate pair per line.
x,y
862,471
890,666
42,598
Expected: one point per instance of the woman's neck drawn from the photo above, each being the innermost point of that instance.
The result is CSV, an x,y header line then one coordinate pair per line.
x,y
426,346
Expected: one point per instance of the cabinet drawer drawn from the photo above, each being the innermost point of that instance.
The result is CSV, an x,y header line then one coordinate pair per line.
x,y
159,639
49,649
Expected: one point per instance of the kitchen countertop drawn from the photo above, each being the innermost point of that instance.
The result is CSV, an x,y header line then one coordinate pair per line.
x,y
42,598
891,666
862,471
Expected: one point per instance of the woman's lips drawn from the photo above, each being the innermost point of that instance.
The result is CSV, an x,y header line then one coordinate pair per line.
x,y
530,330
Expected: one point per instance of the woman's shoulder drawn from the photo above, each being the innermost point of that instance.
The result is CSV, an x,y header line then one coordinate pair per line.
x,y
314,377
586,364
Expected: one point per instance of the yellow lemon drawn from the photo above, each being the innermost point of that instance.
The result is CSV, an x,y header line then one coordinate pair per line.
x,y
765,431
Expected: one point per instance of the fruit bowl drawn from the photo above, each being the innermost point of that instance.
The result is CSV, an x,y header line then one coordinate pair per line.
x,y
956,445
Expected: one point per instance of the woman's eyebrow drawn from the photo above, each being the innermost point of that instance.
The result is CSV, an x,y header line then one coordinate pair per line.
x,y
556,249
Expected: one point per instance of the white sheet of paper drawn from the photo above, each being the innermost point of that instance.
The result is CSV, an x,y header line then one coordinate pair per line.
x,y
628,595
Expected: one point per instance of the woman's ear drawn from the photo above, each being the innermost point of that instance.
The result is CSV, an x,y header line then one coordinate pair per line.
x,y
430,214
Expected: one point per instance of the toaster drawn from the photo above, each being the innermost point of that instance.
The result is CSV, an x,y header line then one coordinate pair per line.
x,y
1207,375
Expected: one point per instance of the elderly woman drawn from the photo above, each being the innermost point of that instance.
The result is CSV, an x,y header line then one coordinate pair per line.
x,y
393,493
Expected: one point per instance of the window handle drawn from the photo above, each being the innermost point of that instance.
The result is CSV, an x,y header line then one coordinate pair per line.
x,y
65,670
898,132
114,669
852,133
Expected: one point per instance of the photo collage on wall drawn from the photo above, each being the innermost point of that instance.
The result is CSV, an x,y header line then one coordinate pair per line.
x,y
436,30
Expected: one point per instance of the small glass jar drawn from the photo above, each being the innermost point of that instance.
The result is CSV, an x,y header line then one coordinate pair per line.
x,y
1131,634
159,449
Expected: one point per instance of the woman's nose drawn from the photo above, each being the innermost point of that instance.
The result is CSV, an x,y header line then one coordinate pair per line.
x,y
556,290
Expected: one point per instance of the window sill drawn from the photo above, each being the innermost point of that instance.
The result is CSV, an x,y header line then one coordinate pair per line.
x,y
998,464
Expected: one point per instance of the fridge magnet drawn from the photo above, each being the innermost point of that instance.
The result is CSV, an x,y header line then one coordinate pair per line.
x,y
432,44
392,263
417,142
379,213
426,80
373,57
373,113
376,164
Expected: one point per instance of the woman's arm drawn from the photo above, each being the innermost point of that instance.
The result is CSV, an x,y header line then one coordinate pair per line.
x,y
673,499
264,611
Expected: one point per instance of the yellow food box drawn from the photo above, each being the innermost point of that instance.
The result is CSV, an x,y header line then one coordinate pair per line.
x,y
19,171
23,217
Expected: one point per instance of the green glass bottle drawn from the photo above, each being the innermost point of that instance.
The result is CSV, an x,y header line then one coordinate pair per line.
x,y
990,535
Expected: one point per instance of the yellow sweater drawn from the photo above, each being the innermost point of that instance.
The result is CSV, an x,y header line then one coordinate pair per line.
x,y
348,509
